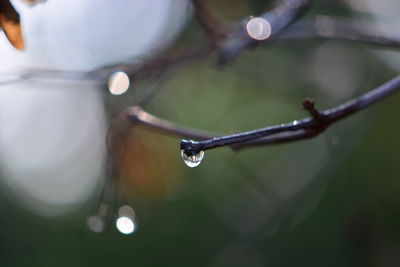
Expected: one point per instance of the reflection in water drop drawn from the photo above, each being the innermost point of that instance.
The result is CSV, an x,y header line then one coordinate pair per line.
x,y
95,223
118,83
125,225
126,211
193,160
258,28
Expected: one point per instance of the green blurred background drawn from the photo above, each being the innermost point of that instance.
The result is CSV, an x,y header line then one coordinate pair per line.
x,y
330,201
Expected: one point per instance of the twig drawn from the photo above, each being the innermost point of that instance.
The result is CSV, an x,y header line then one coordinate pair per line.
x,y
215,26
154,67
327,27
158,65
44,74
297,130
139,116
309,105
281,138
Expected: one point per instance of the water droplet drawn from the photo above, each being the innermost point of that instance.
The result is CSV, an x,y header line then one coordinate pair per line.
x,y
258,28
118,83
192,160
95,223
125,225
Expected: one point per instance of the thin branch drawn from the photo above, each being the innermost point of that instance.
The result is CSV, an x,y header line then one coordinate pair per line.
x,y
297,130
281,138
44,74
309,105
154,67
158,65
326,27
277,134
138,116
214,25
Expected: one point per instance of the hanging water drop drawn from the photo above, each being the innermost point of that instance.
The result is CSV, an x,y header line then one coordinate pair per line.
x,y
126,222
192,160
125,225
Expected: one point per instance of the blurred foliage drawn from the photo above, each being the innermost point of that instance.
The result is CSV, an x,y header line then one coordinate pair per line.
x,y
330,201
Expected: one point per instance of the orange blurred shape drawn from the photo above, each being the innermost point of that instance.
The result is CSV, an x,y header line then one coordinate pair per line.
x,y
149,166
10,24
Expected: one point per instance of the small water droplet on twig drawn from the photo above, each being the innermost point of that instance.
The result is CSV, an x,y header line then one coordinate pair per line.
x,y
258,28
193,159
118,83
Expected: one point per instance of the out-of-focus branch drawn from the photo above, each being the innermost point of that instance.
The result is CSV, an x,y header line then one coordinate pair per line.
x,y
159,65
278,18
296,130
154,67
326,27
211,22
44,74
321,27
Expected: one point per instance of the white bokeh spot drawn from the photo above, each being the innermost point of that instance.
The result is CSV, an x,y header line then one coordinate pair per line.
x,y
258,29
118,83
